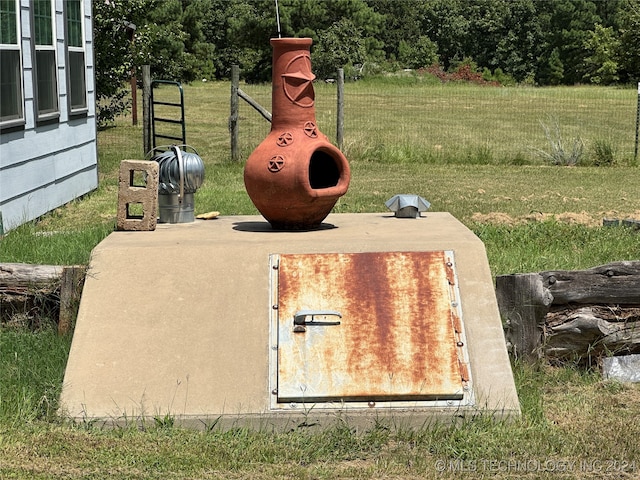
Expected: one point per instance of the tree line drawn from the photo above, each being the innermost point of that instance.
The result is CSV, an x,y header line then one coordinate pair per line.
x,y
538,42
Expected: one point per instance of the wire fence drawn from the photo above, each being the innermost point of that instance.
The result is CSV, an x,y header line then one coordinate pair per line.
x,y
470,124
401,120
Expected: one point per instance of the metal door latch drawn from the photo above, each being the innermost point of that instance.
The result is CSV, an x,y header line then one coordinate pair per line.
x,y
300,319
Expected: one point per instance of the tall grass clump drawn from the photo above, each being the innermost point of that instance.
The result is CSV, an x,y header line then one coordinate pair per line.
x,y
603,153
560,151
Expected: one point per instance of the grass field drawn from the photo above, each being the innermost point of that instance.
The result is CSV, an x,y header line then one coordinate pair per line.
x,y
470,150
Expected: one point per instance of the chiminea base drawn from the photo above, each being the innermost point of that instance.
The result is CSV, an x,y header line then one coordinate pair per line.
x,y
300,189
300,217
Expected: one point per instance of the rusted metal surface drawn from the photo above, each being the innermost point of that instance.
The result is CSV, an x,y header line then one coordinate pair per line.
x,y
396,336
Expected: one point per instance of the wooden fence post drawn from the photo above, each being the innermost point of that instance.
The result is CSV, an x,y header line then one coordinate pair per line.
x,y
146,109
523,303
71,283
340,110
233,117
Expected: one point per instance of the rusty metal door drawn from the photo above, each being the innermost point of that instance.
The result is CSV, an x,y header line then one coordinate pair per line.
x,y
381,326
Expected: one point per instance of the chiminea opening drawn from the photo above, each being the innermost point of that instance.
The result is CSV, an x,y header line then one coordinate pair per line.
x,y
323,170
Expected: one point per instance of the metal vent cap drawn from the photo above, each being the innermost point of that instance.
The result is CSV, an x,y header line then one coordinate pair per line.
x,y
180,171
407,205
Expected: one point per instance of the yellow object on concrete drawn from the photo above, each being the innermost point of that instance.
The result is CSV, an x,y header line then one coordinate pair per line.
x,y
208,215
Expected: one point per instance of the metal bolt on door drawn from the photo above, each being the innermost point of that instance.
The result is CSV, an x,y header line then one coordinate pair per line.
x,y
367,327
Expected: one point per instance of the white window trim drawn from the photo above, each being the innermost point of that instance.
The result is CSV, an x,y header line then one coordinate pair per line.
x,y
44,117
70,49
19,121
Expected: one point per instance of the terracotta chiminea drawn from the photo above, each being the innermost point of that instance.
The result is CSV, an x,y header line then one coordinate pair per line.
x,y
295,176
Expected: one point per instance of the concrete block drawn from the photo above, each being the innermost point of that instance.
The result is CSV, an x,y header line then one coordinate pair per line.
x,y
137,195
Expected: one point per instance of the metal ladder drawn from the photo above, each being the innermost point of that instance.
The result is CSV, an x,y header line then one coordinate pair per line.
x,y
154,134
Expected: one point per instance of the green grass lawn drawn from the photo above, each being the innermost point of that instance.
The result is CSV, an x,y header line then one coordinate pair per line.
x,y
469,150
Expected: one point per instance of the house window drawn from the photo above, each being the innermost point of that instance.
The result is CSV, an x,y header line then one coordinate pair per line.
x,y
11,96
75,57
45,60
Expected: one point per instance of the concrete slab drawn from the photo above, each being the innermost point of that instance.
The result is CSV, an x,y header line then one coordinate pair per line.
x,y
176,321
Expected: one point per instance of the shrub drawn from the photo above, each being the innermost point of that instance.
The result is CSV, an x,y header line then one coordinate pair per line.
x,y
603,153
498,76
465,72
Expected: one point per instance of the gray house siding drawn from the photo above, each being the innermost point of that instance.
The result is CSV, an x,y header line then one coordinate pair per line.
x,y
45,164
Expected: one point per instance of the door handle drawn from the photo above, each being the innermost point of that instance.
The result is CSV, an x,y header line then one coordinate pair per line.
x,y
300,319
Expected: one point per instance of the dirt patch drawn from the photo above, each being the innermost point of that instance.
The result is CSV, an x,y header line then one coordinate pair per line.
x,y
571,218
581,218
495,218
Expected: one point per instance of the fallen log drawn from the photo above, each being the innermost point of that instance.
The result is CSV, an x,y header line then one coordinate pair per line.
x,y
26,275
571,314
594,330
613,283
31,293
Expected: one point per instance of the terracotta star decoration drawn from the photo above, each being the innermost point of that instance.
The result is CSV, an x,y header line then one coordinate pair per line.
x,y
298,82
